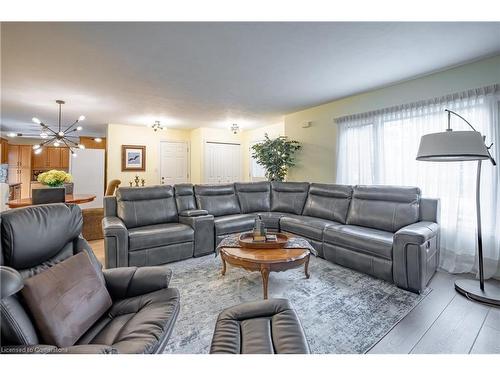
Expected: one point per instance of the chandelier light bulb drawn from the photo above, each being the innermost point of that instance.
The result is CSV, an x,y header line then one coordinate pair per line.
x,y
74,154
98,140
36,147
57,144
38,151
11,135
81,147
60,134
81,118
36,120
43,135
79,128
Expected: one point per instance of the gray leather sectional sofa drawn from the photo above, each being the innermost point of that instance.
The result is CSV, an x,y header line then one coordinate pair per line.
x,y
386,231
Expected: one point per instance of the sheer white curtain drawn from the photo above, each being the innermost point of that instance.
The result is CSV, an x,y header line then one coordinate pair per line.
x,y
380,148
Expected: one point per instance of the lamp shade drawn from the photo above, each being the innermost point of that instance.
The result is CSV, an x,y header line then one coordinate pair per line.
x,y
452,146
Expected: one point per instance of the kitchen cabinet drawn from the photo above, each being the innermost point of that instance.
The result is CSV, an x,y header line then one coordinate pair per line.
x,y
19,159
4,152
51,158
64,158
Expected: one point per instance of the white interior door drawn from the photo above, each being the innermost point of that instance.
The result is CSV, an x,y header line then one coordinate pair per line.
x,y
222,163
174,163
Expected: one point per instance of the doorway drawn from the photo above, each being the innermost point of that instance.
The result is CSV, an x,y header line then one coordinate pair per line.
x,y
174,162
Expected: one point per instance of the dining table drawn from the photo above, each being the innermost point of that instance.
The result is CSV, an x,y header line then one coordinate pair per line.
x,y
70,198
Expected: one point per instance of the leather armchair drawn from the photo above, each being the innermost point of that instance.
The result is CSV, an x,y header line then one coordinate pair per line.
x,y
144,308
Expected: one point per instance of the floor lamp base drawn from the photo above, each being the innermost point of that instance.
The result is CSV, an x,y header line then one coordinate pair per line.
x,y
470,289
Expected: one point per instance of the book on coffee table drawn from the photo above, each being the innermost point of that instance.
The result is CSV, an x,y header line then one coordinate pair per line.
x,y
271,238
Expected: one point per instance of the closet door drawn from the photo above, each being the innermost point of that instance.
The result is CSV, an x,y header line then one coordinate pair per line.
x,y
222,163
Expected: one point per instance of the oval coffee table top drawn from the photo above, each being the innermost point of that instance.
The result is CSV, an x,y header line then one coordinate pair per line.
x,y
265,255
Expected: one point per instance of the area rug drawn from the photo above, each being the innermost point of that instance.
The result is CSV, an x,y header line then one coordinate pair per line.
x,y
341,310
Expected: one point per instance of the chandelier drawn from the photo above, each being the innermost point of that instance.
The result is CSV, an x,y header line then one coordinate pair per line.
x,y
156,126
59,137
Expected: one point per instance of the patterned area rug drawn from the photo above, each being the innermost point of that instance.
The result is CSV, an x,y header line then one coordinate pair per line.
x,y
341,310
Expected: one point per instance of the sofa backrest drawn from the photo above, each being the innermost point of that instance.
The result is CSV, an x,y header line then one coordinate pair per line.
x,y
328,201
184,197
254,196
146,206
387,208
218,200
288,196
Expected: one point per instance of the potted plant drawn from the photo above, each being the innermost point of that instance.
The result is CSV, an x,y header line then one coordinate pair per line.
x,y
276,155
55,178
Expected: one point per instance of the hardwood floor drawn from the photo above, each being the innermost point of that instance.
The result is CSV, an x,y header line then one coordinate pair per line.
x,y
444,322
98,247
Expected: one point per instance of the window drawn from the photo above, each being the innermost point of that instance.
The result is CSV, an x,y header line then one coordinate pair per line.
x,y
380,148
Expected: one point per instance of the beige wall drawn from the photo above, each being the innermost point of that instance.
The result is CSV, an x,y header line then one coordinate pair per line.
x,y
316,160
118,135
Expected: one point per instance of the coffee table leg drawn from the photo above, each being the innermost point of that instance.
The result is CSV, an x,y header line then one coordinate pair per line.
x,y
306,268
264,271
223,272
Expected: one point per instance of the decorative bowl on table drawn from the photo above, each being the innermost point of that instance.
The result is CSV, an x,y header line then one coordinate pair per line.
x,y
246,240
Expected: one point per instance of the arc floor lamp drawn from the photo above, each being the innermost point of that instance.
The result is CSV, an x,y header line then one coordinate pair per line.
x,y
464,146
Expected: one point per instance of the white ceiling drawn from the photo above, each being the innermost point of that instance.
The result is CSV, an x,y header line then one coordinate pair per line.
x,y
213,74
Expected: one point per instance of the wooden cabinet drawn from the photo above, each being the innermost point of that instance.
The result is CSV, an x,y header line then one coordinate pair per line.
x,y
19,159
51,158
65,158
4,151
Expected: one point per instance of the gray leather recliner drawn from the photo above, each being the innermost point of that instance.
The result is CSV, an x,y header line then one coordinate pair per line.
x,y
389,232
33,239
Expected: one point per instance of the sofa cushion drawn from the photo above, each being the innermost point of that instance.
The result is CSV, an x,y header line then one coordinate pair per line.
x,y
218,200
234,223
387,208
146,206
306,226
66,300
262,327
271,219
288,196
254,196
184,197
159,235
366,240
328,201
137,324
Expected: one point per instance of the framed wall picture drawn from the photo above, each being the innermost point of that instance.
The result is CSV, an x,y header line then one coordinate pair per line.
x,y
133,158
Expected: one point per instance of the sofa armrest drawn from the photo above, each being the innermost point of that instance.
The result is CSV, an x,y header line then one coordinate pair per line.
x,y
204,233
415,255
193,213
417,233
115,242
125,282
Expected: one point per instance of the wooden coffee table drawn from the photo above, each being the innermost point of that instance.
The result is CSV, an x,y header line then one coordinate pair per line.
x,y
265,260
